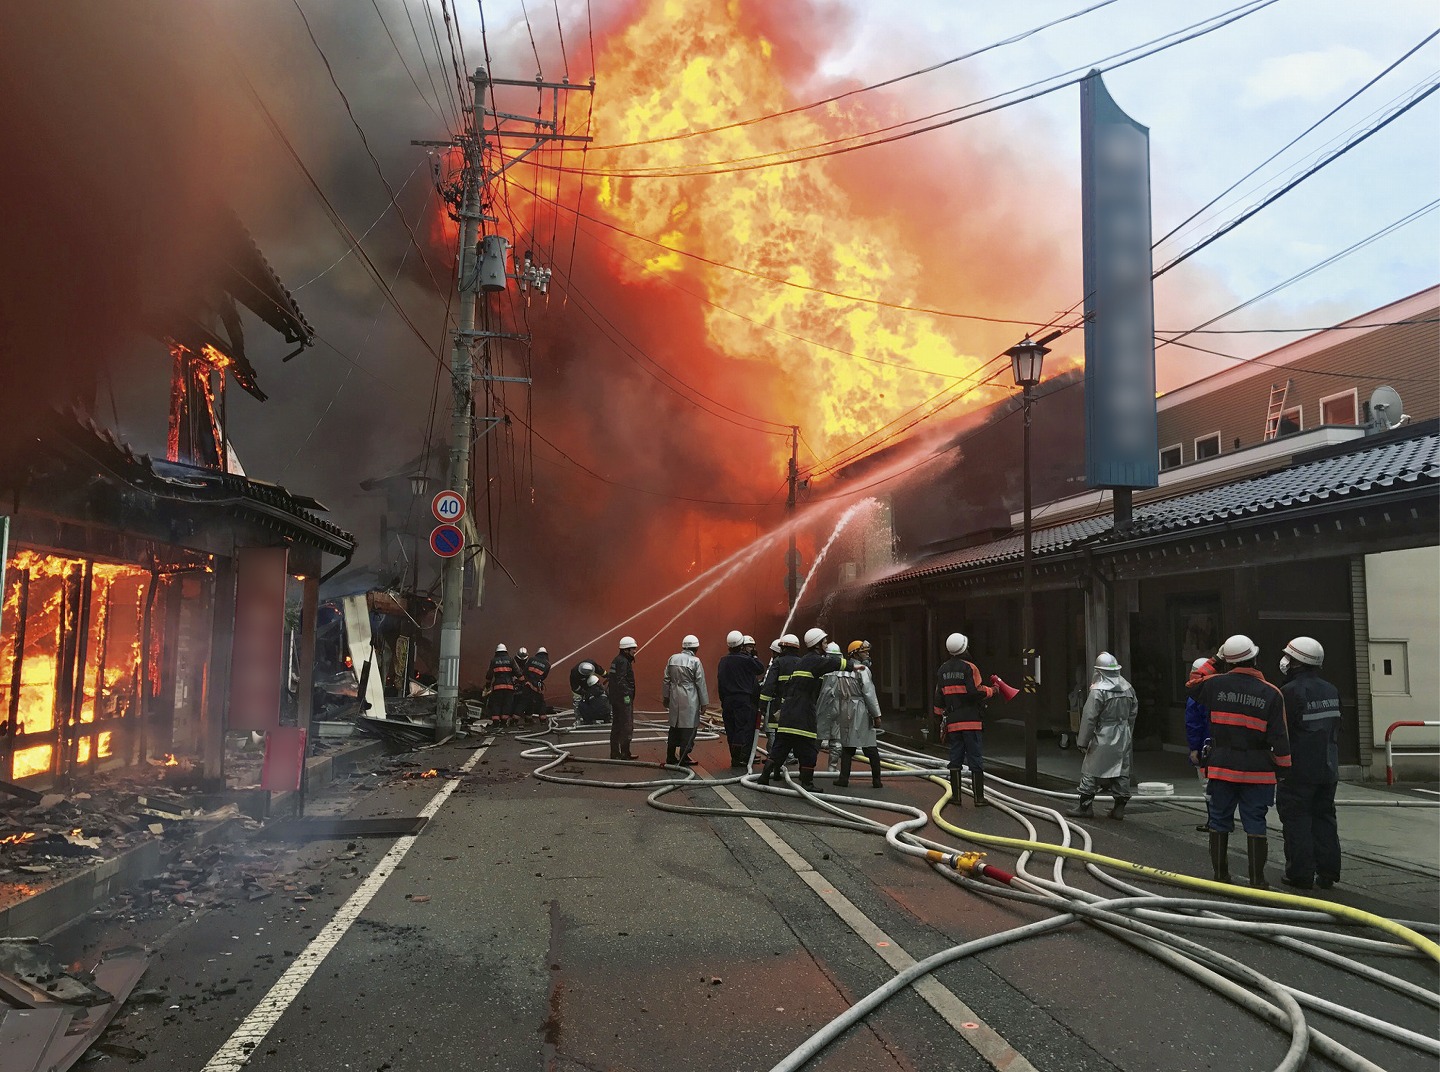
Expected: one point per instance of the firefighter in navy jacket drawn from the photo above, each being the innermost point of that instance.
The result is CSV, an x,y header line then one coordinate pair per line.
x,y
777,680
500,681
1305,798
960,698
797,730
1248,745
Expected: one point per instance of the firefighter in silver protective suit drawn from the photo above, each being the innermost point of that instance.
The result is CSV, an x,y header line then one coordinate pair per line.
x,y
1107,737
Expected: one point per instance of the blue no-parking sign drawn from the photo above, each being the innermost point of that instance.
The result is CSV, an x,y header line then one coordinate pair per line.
x,y
447,541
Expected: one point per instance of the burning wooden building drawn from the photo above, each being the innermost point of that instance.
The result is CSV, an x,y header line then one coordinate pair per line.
x,y
145,600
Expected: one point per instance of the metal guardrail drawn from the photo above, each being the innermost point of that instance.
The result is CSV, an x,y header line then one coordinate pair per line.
x,y
1390,748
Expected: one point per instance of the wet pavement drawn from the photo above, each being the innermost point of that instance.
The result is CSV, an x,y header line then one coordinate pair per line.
x,y
559,927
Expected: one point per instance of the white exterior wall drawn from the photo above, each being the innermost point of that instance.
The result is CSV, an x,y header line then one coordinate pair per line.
x,y
1403,597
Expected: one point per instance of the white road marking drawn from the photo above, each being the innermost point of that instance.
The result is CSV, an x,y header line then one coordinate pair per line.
x,y
1432,792
253,1029
985,1040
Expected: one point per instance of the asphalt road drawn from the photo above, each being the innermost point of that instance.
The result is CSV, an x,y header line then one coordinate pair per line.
x,y
554,927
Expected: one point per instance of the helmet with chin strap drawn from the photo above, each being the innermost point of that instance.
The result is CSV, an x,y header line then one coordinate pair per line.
x,y
815,637
1238,649
957,643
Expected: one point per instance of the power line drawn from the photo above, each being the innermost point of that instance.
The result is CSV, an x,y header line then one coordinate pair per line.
x,y
1271,198
365,141
454,119
1169,234
428,103
1013,39
364,235
836,146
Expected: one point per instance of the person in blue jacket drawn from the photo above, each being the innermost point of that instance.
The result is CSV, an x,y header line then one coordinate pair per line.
x,y
1197,726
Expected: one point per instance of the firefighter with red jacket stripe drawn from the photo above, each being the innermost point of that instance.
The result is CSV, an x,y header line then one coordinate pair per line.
x,y
960,698
500,681
1248,745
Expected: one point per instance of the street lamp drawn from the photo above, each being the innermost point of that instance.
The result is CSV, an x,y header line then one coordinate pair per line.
x,y
418,484
1026,359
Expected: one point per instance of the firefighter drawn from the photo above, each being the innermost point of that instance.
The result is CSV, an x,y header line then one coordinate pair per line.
x,y
797,729
856,712
1248,744
579,675
1107,737
621,688
1197,727
777,680
1305,796
500,686
684,695
960,705
594,705
735,679
536,670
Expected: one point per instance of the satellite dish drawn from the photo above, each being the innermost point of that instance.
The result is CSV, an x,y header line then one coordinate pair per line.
x,y
1385,409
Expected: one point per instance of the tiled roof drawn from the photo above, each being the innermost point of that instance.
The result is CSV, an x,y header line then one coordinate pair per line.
x,y
1365,471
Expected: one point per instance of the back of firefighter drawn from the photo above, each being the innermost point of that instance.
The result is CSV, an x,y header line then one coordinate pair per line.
x,y
1305,797
735,680
594,705
1248,744
685,696
537,669
960,698
777,680
500,682
797,731
1107,737
849,706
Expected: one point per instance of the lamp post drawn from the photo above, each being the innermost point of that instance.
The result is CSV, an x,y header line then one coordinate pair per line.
x,y
419,485
1026,359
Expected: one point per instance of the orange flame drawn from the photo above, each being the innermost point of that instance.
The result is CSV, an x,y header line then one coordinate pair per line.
x,y
797,223
16,839
170,760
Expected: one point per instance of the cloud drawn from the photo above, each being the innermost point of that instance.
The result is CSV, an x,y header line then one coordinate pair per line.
x,y
1307,76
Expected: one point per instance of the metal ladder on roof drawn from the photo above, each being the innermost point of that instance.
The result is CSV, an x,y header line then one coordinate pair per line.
x,y
1279,394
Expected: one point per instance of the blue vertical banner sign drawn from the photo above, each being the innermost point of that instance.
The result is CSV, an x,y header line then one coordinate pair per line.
x,y
1121,439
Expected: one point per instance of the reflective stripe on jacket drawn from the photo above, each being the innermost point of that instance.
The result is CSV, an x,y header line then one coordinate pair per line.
x,y
959,696
797,711
1248,740
1312,715
501,675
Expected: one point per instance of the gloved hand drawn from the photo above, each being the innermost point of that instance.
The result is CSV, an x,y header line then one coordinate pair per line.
x,y
629,699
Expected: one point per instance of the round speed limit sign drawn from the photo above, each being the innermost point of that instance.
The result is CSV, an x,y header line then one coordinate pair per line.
x,y
448,506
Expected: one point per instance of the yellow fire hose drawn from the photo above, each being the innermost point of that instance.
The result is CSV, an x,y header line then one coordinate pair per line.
x,y
1355,915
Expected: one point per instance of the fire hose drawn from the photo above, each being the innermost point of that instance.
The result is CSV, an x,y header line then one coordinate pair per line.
x,y
1279,917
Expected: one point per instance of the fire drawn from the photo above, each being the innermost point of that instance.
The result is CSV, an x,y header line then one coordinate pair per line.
x,y
45,596
16,839
170,760
667,75
431,773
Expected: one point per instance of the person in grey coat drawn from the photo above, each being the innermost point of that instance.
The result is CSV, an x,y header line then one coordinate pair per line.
x,y
1107,737
849,706
685,697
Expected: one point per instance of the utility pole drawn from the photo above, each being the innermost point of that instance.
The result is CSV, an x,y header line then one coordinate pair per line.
x,y
481,271
792,557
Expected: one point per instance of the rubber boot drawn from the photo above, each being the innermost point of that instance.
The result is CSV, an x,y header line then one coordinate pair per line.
x,y
1083,809
738,757
957,799
766,773
1117,810
672,748
977,787
807,777
1220,855
847,757
873,755
1258,850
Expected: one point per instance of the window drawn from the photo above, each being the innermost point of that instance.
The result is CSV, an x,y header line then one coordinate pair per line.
x,y
1171,457
1207,446
1291,421
1340,409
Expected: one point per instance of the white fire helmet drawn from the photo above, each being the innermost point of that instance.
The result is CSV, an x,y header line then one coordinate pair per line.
x,y
832,648
1200,663
627,643
1307,650
523,652
775,646
1106,661
748,640
500,648
815,637
1239,649
541,650
734,638
957,643
592,680
790,640
690,643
